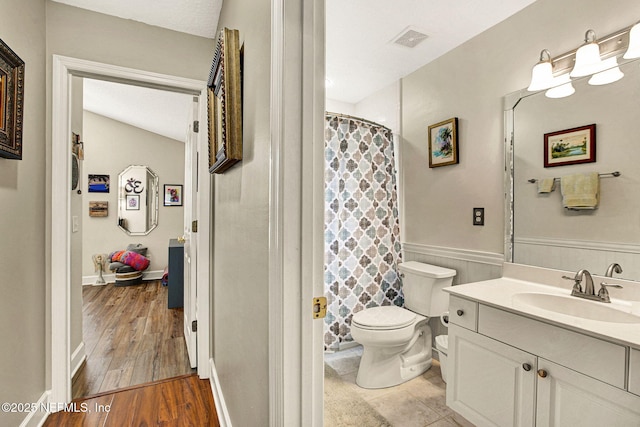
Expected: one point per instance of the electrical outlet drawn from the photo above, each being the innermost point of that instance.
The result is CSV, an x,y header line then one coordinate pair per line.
x,y
478,216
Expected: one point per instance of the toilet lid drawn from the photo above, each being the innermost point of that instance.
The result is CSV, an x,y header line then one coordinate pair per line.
x,y
386,317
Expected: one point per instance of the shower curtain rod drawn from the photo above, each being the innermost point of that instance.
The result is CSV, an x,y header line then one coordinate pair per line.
x,y
347,116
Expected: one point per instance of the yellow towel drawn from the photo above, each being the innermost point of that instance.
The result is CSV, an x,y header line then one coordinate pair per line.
x,y
580,191
546,185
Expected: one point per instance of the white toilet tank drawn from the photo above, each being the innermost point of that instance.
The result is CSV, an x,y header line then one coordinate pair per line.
x,y
422,286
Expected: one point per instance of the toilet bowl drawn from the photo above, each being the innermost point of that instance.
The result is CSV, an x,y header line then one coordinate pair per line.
x,y
396,341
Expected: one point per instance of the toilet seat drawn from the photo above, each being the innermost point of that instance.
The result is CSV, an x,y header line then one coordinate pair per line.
x,y
383,318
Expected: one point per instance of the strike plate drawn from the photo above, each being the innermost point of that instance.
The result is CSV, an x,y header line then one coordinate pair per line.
x,y
319,307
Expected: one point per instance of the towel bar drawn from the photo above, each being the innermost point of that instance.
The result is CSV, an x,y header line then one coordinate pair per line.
x,y
615,174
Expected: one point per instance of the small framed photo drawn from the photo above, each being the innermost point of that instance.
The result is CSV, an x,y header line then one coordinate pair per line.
x,y
443,143
99,183
570,146
133,202
98,209
172,195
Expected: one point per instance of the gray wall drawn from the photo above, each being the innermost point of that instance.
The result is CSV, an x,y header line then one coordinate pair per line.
x,y
110,147
23,194
241,240
469,83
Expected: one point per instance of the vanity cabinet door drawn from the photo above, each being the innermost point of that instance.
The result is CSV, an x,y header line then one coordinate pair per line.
x,y
568,398
490,383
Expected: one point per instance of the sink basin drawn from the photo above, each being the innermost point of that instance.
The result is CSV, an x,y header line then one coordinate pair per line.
x,y
574,306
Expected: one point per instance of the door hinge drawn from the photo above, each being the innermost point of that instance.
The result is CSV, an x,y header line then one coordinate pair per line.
x,y
194,226
194,326
196,126
319,307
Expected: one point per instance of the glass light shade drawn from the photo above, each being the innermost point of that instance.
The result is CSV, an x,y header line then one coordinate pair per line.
x,y
610,74
587,60
562,87
541,77
633,51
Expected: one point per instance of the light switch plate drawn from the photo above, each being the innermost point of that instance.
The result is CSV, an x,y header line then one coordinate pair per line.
x,y
478,216
74,224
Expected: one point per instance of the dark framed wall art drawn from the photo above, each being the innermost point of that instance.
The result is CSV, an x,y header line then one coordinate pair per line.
x,y
11,102
224,103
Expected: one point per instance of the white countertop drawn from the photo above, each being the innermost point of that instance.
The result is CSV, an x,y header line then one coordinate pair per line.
x,y
499,293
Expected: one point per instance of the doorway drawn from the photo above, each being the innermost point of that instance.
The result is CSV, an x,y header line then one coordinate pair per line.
x,y
60,179
129,334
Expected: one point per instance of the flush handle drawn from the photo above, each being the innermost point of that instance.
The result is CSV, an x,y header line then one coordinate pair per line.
x,y
460,312
526,367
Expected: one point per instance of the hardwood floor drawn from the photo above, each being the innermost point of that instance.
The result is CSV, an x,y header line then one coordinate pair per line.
x,y
130,338
177,402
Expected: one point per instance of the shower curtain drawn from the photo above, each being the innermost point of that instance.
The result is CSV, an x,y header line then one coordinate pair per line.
x,y
362,242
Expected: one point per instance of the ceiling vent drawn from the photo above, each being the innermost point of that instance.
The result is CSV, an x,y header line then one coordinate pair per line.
x,y
409,37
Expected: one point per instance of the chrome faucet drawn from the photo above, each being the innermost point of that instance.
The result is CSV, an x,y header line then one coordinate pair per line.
x,y
589,292
613,268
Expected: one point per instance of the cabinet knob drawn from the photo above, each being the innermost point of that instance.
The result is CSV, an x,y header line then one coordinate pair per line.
x,y
542,373
526,367
460,312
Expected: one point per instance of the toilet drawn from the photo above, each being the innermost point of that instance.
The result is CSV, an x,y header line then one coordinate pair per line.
x,y
397,341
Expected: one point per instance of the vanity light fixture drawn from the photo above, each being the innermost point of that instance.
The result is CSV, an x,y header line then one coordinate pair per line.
x,y
633,51
588,57
562,87
542,73
554,74
610,74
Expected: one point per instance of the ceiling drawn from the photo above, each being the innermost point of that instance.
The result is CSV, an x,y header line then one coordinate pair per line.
x,y
360,55
361,58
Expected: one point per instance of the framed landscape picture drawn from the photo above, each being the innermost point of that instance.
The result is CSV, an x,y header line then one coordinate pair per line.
x,y
570,146
443,143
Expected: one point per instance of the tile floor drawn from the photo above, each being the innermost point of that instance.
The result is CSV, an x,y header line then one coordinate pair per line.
x,y
416,403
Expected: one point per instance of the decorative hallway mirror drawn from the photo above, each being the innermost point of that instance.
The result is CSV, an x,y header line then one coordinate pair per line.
x,y
539,231
137,200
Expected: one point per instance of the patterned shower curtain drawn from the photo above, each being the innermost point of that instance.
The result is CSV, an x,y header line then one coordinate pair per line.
x,y
362,233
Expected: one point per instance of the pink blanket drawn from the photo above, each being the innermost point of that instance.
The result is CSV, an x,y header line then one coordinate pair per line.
x,y
132,259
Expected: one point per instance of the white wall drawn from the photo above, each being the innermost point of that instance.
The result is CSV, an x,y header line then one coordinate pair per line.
x,y
23,192
333,106
469,83
382,107
110,147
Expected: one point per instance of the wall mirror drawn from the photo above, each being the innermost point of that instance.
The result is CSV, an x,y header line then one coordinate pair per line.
x,y
538,230
137,200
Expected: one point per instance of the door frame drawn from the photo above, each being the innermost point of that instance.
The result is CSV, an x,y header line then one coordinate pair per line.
x,y
60,244
296,212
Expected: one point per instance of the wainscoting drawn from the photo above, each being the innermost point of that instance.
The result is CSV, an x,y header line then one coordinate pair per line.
x,y
572,255
471,266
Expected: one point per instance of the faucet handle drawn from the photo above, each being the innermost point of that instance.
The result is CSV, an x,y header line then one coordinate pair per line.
x,y
576,283
603,293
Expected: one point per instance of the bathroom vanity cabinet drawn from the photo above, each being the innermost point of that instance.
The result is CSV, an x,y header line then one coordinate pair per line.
x,y
508,369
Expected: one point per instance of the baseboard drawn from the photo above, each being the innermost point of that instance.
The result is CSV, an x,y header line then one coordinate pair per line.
x,y
38,415
455,253
77,358
221,407
111,278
